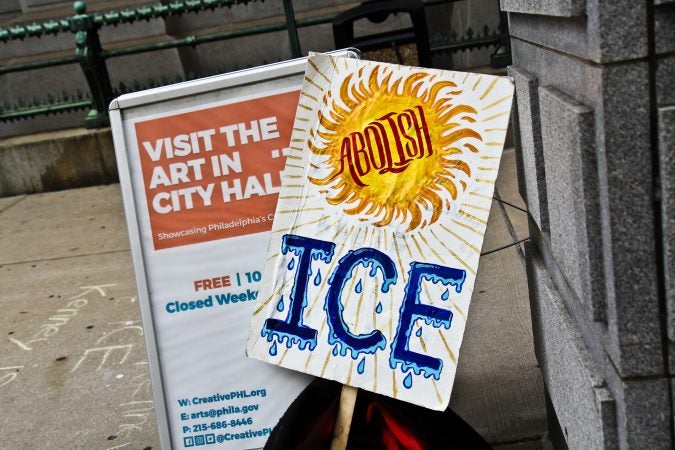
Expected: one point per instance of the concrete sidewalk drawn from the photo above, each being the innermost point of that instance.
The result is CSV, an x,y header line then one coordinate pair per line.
x,y
73,371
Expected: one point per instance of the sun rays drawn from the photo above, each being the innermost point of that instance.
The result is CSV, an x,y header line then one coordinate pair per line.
x,y
392,150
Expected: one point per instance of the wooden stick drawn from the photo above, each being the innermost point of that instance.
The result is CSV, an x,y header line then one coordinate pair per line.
x,y
344,418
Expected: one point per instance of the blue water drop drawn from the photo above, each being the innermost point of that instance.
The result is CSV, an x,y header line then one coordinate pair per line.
x,y
291,264
280,305
419,332
273,349
445,295
317,278
407,381
378,308
335,350
359,287
362,365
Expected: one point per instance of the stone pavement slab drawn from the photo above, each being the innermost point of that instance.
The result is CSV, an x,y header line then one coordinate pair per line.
x,y
63,224
498,236
506,186
7,202
72,357
508,209
506,189
73,370
498,389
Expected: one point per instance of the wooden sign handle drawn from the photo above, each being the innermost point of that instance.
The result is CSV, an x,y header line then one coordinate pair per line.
x,y
344,417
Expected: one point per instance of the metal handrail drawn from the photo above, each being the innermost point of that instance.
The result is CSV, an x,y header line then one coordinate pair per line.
x,y
114,18
92,57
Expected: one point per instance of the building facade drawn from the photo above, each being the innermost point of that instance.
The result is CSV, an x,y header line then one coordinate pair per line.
x,y
595,115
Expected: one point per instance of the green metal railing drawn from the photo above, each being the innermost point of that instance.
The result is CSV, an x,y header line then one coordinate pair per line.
x,y
470,39
92,57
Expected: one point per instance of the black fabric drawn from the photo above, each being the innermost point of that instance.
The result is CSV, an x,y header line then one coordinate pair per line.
x,y
379,423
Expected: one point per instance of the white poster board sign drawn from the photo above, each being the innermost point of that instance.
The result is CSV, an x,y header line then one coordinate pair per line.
x,y
379,226
199,167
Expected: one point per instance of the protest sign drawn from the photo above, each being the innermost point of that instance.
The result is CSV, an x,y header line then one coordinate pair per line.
x,y
199,168
379,225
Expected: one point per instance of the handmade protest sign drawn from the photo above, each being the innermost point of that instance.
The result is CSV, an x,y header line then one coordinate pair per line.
x,y
381,216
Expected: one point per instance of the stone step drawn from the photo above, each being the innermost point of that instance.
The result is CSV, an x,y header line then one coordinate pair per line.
x,y
56,160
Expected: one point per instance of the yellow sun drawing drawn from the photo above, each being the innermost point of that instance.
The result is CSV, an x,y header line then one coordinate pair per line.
x,y
393,150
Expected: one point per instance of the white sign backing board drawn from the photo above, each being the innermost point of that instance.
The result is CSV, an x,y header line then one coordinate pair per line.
x,y
199,166
380,221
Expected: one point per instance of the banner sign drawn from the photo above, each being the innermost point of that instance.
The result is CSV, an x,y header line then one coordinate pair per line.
x,y
208,183
200,167
379,225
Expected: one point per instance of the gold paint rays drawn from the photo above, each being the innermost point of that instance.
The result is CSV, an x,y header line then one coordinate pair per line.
x,y
393,149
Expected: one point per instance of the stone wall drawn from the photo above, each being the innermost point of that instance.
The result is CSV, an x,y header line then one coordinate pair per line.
x,y
595,83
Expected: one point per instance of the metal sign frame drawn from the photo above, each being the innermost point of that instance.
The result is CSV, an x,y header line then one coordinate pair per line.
x,y
147,103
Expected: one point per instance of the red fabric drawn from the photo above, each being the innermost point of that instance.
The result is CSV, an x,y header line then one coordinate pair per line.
x,y
394,433
379,423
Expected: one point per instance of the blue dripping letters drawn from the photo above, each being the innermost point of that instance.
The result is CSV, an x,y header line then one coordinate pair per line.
x,y
362,365
412,309
340,337
339,332
407,381
292,328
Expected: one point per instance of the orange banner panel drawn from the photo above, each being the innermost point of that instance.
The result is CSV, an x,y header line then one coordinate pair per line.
x,y
214,173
